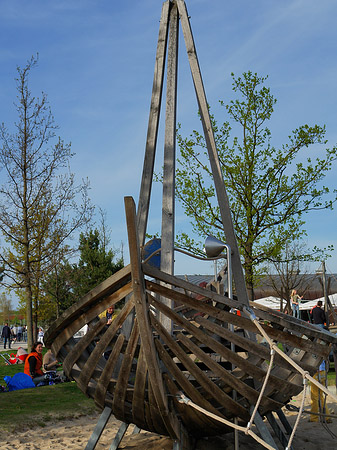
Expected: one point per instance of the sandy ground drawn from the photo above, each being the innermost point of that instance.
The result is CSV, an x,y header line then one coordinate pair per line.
x,y
74,435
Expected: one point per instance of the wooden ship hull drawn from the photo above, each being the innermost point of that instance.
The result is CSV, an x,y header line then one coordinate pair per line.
x,y
173,340
214,356
147,368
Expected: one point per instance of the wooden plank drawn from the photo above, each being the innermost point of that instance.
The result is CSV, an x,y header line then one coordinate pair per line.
x,y
103,382
124,373
188,388
138,399
141,306
226,353
277,430
230,380
196,422
291,323
213,156
250,346
108,286
155,413
211,388
152,131
81,346
167,228
101,346
185,285
88,316
282,336
263,430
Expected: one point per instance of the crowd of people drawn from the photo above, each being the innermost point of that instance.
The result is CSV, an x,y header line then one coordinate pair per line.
x,y
14,333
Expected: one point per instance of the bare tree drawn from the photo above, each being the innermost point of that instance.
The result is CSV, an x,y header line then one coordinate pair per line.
x,y
291,273
40,204
5,307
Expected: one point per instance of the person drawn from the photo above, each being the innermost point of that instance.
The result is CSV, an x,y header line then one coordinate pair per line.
x,y
318,315
49,361
40,335
318,401
6,335
295,303
19,331
110,314
14,332
33,364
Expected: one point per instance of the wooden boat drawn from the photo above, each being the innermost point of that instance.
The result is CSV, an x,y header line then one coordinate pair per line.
x,y
203,357
173,338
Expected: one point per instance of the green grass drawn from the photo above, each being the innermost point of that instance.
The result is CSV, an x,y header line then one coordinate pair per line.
x,y
39,406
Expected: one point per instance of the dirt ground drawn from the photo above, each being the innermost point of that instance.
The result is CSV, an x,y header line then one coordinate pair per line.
x,y
74,435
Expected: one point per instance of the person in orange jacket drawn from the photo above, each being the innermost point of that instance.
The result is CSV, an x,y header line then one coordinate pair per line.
x,y
33,364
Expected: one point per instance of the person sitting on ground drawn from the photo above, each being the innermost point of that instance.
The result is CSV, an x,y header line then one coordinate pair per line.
x,y
33,364
50,363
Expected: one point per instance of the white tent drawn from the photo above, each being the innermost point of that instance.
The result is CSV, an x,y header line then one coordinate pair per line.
x,y
311,303
270,302
275,302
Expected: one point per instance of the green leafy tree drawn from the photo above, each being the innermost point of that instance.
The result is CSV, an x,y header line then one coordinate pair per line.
x,y
96,262
40,204
57,291
269,188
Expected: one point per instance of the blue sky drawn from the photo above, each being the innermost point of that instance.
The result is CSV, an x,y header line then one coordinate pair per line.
x,y
96,62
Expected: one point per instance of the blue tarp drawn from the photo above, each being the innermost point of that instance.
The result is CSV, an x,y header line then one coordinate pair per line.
x,y
19,381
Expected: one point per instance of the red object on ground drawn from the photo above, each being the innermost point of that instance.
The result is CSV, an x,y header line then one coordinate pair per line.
x,y
21,355
13,359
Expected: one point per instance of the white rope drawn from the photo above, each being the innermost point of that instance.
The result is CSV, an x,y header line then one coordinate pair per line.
x,y
187,401
304,373
247,430
272,352
305,382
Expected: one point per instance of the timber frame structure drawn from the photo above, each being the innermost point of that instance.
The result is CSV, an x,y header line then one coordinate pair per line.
x,y
175,347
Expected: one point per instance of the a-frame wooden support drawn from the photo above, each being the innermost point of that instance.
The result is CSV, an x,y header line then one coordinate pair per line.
x,y
168,43
167,55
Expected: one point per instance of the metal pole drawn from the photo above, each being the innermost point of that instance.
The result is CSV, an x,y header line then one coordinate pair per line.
x,y
326,306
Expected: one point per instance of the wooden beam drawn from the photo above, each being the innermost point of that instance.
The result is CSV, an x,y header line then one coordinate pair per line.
x,y
167,230
104,379
142,317
203,380
152,131
213,155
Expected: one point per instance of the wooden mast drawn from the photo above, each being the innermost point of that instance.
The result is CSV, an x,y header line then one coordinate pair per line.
x,y
168,42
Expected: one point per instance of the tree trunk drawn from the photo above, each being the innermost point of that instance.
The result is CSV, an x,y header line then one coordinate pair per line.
x,y
29,317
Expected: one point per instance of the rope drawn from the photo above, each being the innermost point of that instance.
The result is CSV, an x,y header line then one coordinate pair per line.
x,y
272,352
305,382
304,373
183,399
273,348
